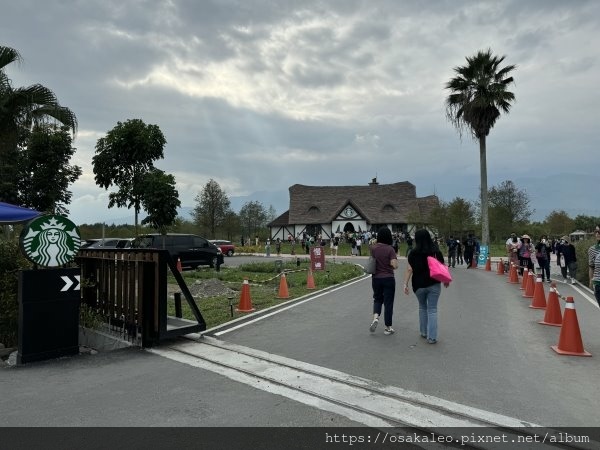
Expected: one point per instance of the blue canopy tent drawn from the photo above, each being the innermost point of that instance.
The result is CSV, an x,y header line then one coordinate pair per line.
x,y
11,214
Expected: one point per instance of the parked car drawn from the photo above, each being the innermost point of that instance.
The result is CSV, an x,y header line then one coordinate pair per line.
x,y
227,247
109,243
193,250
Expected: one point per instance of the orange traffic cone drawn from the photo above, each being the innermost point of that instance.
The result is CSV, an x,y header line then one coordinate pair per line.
x,y
283,287
553,315
179,268
310,280
525,278
500,270
488,264
569,342
530,287
474,262
539,296
513,275
245,304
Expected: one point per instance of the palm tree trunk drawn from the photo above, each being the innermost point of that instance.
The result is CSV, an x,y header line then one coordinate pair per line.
x,y
485,224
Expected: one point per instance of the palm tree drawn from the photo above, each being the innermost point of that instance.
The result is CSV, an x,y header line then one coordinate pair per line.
x,y
20,109
478,95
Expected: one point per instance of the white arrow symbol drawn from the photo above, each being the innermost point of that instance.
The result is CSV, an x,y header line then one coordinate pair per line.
x,y
68,283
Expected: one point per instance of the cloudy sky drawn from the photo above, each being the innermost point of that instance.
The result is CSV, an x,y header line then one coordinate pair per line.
x,y
261,95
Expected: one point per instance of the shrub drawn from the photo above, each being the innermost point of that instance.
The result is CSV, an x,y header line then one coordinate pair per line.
x,y
581,248
11,261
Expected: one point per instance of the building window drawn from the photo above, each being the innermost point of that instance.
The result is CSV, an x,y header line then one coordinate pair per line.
x,y
313,230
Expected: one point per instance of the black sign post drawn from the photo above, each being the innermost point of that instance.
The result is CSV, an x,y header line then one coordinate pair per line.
x,y
48,314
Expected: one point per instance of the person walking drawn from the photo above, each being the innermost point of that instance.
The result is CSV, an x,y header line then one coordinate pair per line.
x,y
425,288
335,242
512,250
459,252
469,249
383,281
451,244
525,250
594,265
567,260
409,243
359,246
542,254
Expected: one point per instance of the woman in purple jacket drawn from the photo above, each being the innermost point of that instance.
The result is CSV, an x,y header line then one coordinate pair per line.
x,y
383,281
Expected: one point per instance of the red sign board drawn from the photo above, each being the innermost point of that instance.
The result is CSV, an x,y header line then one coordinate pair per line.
x,y
317,258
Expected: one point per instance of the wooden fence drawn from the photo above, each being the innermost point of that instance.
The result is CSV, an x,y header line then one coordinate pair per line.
x,y
127,288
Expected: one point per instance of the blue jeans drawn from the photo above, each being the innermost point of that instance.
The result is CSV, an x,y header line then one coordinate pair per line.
x,y
428,300
597,292
384,290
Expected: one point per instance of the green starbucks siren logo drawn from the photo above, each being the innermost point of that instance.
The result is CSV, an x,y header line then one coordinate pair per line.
x,y
50,241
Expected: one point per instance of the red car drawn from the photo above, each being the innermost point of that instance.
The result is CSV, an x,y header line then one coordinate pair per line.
x,y
227,247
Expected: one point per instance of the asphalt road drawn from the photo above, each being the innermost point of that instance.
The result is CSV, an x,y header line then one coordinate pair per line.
x,y
492,355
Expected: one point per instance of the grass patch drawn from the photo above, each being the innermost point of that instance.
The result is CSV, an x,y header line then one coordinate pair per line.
x,y
264,281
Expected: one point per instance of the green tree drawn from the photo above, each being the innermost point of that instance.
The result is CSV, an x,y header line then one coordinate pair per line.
x,y
231,226
253,218
585,223
160,200
124,157
461,216
212,208
20,109
478,95
559,223
438,219
44,170
509,208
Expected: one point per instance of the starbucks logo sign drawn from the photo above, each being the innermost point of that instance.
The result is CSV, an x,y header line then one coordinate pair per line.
x,y
50,241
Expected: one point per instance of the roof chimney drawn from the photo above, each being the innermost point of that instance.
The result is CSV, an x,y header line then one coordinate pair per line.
x,y
373,182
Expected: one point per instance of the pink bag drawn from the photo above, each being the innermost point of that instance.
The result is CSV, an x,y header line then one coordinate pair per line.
x,y
438,271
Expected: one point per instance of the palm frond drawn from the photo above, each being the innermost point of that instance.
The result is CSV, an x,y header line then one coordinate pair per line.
x,y
479,93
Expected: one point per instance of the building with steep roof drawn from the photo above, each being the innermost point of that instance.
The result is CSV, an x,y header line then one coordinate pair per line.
x,y
326,210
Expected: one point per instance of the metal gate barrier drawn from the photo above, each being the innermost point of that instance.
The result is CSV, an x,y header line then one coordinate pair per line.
x,y
127,288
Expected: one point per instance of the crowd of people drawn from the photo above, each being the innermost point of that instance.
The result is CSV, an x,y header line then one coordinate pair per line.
x,y
522,251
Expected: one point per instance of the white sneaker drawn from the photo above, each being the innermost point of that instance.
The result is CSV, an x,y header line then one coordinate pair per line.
x,y
374,325
389,330
573,281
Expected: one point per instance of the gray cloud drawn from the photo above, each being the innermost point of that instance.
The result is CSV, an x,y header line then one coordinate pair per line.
x,y
261,95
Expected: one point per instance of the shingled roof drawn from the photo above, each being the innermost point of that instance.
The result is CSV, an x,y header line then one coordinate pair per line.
x,y
377,203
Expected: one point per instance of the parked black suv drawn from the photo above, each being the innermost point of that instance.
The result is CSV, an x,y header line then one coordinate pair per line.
x,y
193,250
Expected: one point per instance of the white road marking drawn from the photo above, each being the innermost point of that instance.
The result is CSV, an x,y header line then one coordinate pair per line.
x,y
289,378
